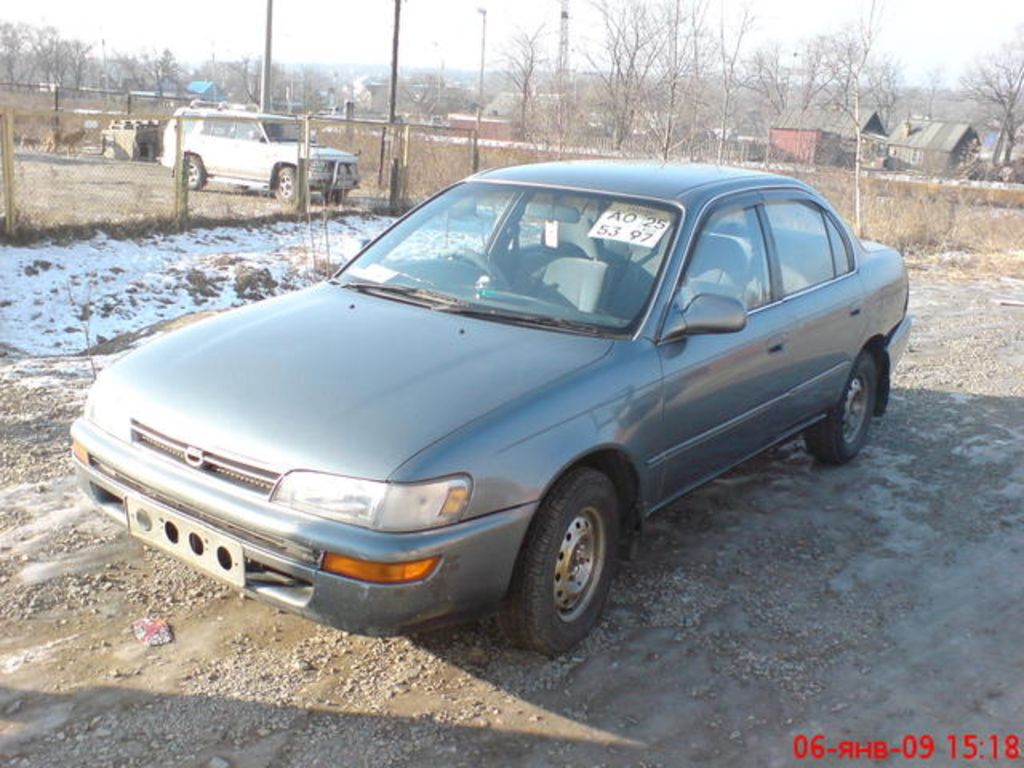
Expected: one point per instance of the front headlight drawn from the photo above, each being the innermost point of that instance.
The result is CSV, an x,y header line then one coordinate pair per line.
x,y
105,409
372,504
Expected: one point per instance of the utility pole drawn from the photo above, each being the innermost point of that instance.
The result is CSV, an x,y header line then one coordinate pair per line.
x,y
394,63
483,57
563,44
265,99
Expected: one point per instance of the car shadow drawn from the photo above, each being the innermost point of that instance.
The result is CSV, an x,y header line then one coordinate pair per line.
x,y
758,605
748,591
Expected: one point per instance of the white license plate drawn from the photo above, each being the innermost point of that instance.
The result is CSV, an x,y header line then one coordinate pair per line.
x,y
198,545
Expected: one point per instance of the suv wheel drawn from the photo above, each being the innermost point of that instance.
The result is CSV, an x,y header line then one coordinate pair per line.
x,y
195,172
286,184
566,565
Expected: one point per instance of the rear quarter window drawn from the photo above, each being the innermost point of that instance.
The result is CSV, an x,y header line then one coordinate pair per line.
x,y
840,254
802,244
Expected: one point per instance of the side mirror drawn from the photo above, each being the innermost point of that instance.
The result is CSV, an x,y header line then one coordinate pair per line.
x,y
706,313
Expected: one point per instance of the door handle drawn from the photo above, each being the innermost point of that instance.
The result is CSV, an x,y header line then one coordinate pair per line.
x,y
854,310
777,343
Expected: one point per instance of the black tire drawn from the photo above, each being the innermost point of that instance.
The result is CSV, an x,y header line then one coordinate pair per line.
x,y
844,430
286,184
574,536
195,172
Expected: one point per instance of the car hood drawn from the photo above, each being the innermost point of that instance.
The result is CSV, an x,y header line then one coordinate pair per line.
x,y
333,380
329,153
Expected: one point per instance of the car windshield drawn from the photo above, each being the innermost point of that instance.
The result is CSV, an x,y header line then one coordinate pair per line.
x,y
579,260
282,131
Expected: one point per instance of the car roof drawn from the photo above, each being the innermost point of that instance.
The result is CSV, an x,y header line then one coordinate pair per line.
x,y
665,181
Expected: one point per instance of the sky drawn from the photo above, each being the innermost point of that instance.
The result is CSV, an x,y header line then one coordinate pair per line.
x,y
920,34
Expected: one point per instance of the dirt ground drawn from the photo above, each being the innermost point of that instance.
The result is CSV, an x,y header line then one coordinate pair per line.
x,y
864,602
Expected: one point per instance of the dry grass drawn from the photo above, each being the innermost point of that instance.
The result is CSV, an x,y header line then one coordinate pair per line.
x,y
923,217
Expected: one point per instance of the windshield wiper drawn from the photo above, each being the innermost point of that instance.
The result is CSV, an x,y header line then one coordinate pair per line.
x,y
520,318
422,296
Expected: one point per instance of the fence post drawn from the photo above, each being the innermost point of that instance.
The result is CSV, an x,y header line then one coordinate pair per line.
x,y
405,166
180,175
7,157
399,156
302,193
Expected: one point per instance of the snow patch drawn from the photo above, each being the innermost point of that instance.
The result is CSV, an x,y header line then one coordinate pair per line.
x,y
54,294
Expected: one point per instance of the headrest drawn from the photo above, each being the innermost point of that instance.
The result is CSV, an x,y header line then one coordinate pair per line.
x,y
551,212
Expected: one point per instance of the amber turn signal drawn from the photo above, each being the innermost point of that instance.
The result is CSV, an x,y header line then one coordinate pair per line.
x,y
79,452
380,573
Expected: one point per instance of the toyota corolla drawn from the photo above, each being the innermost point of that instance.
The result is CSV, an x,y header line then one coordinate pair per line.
x,y
479,411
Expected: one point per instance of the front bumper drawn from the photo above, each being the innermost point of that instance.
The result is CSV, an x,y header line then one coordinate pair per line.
x,y
283,549
333,176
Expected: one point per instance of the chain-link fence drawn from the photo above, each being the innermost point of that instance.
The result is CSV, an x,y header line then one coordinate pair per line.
x,y
74,172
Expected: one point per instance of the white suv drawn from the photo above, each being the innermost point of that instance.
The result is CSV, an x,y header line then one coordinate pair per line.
x,y
253,150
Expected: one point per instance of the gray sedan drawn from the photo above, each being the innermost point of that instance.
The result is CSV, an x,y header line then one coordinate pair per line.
x,y
481,409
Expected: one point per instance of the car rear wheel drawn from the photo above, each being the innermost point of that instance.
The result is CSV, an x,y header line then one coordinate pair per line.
x,y
844,430
195,172
286,184
566,565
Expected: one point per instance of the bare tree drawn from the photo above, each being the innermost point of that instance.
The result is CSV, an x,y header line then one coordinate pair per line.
x,y
15,41
671,72
77,54
702,49
997,80
847,60
884,80
770,76
730,43
523,59
163,69
934,81
245,78
631,47
49,54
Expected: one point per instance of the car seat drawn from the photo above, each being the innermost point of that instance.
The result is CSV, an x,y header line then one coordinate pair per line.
x,y
579,280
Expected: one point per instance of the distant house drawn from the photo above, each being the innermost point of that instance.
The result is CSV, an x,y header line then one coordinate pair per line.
x,y
934,146
490,127
824,135
505,104
207,90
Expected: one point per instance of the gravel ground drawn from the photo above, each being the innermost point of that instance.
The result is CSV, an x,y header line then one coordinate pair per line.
x,y
861,602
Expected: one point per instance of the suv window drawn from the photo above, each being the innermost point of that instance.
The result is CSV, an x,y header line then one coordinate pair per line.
x,y
840,255
730,259
221,129
247,130
802,244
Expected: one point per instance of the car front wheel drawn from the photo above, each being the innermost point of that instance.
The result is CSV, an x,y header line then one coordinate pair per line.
x,y
566,565
843,432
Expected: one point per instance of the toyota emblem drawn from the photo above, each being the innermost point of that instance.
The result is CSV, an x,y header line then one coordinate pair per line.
x,y
194,457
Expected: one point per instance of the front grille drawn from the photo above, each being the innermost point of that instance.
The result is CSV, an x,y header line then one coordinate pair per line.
x,y
242,474
282,547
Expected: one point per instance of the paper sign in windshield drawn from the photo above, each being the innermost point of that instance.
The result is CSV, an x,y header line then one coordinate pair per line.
x,y
635,225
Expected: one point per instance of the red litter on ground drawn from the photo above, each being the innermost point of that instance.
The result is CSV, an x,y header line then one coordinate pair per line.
x,y
152,631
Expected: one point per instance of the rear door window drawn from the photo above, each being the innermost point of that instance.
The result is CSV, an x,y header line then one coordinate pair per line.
x,y
802,244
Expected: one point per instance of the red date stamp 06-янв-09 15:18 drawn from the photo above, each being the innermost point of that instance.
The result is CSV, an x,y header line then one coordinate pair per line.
x,y
948,746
